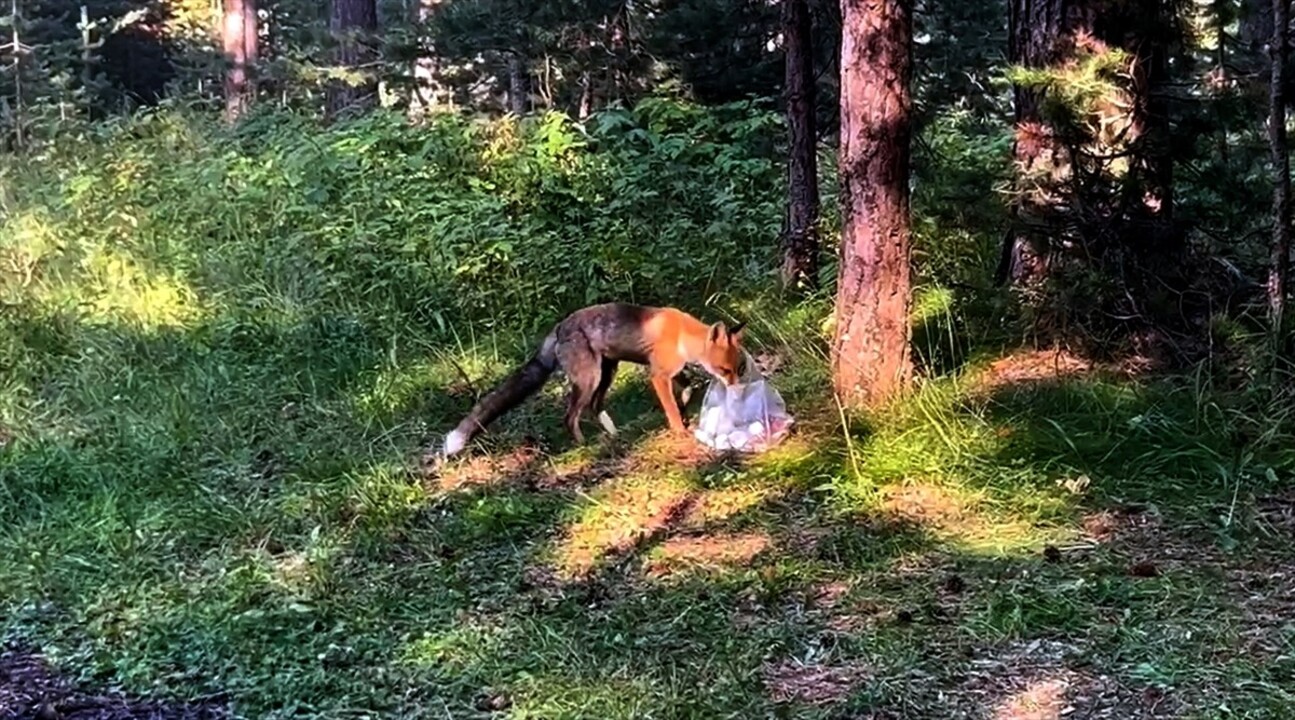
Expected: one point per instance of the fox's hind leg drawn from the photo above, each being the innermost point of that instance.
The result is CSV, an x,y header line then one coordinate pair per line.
x,y
581,366
600,396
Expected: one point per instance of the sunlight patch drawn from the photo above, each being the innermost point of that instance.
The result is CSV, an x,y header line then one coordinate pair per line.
x,y
961,518
706,553
26,242
715,506
926,504
1029,366
399,387
618,518
1043,699
128,293
382,498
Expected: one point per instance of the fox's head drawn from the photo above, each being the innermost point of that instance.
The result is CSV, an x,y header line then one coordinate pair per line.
x,y
723,354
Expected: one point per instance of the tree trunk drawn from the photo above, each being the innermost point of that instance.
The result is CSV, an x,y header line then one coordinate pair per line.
x,y
251,42
1255,30
353,24
240,44
1094,184
1151,201
424,96
518,90
871,355
800,245
1281,250
1222,15
1036,32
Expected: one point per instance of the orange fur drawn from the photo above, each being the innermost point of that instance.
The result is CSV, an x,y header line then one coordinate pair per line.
x,y
589,344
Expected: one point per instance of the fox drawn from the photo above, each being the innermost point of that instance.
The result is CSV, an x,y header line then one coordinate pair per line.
x,y
589,345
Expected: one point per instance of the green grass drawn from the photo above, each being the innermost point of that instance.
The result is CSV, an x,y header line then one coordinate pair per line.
x,y
237,508
213,407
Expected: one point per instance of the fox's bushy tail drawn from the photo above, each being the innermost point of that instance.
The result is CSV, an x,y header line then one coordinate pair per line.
x,y
521,384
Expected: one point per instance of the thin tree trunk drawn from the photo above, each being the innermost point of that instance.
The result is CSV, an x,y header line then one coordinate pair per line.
x,y
800,245
518,92
251,42
871,355
1280,263
1222,13
586,95
424,96
353,24
1153,114
239,22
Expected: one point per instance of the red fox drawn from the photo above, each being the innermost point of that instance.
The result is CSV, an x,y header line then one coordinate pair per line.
x,y
589,344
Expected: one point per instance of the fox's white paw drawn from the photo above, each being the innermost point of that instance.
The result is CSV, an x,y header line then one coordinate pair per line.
x,y
454,443
606,421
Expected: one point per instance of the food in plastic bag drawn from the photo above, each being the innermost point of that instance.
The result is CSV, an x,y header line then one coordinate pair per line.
x,y
749,416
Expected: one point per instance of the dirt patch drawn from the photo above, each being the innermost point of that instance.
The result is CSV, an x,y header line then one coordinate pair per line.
x,y
1276,513
716,506
31,690
1126,525
811,684
628,513
923,504
1035,681
1030,366
1043,699
706,553
522,464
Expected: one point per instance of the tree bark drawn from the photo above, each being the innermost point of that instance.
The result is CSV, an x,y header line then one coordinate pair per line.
x,y
1100,181
1150,203
353,24
800,244
1281,249
424,96
871,354
240,45
1037,35
1255,30
518,87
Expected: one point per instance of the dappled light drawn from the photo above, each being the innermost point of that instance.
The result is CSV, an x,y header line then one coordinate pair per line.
x,y
233,346
1043,699
620,516
705,553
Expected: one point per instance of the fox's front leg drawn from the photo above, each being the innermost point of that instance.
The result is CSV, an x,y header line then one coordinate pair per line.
x,y
664,386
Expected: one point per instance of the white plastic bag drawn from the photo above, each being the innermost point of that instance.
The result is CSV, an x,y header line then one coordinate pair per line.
x,y
749,416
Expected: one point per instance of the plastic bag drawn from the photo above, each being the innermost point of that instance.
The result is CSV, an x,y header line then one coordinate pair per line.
x,y
749,416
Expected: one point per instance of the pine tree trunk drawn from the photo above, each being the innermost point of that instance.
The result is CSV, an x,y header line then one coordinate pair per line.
x,y
1034,30
800,244
1153,159
251,43
518,90
1255,31
353,24
871,356
1281,249
239,40
424,96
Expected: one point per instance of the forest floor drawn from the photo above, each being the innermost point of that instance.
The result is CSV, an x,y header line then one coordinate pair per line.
x,y
188,536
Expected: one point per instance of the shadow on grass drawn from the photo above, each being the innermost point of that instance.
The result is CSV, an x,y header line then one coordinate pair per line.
x,y
249,522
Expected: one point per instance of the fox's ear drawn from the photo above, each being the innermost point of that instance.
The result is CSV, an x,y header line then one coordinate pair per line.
x,y
717,331
735,332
